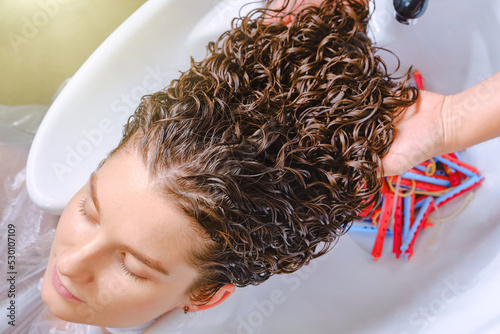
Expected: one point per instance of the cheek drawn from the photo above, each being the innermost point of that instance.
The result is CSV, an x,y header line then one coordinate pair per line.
x,y
71,224
65,229
126,301
156,303
158,298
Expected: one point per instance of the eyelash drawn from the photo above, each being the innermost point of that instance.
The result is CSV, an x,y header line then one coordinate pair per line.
x,y
84,213
123,266
129,273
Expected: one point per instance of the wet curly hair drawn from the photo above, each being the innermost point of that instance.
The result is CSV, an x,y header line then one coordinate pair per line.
x,y
271,143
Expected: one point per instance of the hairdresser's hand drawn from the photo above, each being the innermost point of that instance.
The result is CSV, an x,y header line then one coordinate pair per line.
x,y
438,125
419,135
292,7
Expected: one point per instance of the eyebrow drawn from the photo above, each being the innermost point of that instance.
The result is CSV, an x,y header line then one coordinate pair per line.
x,y
147,261
93,193
155,265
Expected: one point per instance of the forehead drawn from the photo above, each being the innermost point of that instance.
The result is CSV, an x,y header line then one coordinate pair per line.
x,y
137,215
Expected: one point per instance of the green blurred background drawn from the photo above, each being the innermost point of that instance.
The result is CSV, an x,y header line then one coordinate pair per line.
x,y
43,42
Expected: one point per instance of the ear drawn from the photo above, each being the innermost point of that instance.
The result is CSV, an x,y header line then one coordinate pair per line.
x,y
221,295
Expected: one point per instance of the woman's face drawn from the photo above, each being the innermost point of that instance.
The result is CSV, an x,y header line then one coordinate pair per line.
x,y
118,257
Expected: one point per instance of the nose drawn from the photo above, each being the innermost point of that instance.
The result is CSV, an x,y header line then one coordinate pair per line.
x,y
81,261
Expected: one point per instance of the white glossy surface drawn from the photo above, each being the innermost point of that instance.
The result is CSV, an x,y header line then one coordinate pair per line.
x,y
452,288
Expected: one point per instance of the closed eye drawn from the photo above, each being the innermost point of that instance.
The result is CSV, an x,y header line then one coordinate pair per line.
x,y
128,272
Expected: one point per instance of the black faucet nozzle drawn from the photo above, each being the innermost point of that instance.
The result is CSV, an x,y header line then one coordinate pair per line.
x,y
408,11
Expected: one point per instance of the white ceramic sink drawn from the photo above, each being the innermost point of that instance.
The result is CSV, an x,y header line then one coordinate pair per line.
x,y
452,288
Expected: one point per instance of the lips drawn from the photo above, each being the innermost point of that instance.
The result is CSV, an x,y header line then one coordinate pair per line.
x,y
61,289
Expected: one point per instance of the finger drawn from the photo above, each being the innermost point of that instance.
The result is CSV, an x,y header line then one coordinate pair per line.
x,y
283,10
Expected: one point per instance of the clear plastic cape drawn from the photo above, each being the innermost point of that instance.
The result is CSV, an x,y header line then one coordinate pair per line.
x,y
32,232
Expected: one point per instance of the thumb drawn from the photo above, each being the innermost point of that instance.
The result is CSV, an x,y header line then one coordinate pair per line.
x,y
394,164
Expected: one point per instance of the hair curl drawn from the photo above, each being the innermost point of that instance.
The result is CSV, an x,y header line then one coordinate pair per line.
x,y
272,142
